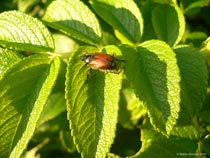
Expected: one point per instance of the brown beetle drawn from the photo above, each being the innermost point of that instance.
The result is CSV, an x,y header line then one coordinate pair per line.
x,y
102,62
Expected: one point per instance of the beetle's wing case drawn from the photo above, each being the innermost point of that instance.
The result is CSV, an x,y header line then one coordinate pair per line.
x,y
104,56
99,63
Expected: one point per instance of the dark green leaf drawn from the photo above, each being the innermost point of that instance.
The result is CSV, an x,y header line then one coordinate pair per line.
x,y
205,146
131,109
124,16
169,23
195,38
149,32
154,144
55,105
66,138
193,79
190,5
206,50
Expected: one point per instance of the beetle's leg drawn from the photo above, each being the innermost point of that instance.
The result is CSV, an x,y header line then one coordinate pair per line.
x,y
88,75
121,60
116,71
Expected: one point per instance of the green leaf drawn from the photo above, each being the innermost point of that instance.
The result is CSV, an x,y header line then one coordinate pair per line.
x,y
25,88
188,131
20,31
149,32
131,109
206,50
66,138
26,5
169,23
8,58
194,77
74,19
111,155
154,144
164,1
124,16
190,5
195,38
49,129
126,142
64,44
206,145
92,104
55,105
156,81
204,113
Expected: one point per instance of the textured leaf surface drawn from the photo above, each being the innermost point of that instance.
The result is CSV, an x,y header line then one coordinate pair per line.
x,y
154,144
123,15
156,80
74,19
25,88
194,79
8,58
92,105
169,23
20,31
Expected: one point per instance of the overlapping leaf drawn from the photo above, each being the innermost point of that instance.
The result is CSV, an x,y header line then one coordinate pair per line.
x,y
20,31
156,80
25,88
92,104
169,23
131,109
191,6
194,79
124,16
154,144
74,19
8,58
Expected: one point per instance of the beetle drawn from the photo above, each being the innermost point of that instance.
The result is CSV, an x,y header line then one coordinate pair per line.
x,y
102,61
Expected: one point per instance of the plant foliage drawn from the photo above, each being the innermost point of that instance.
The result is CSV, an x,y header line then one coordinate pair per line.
x,y
52,104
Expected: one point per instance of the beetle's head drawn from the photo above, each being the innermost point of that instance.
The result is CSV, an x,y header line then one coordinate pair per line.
x,y
86,58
